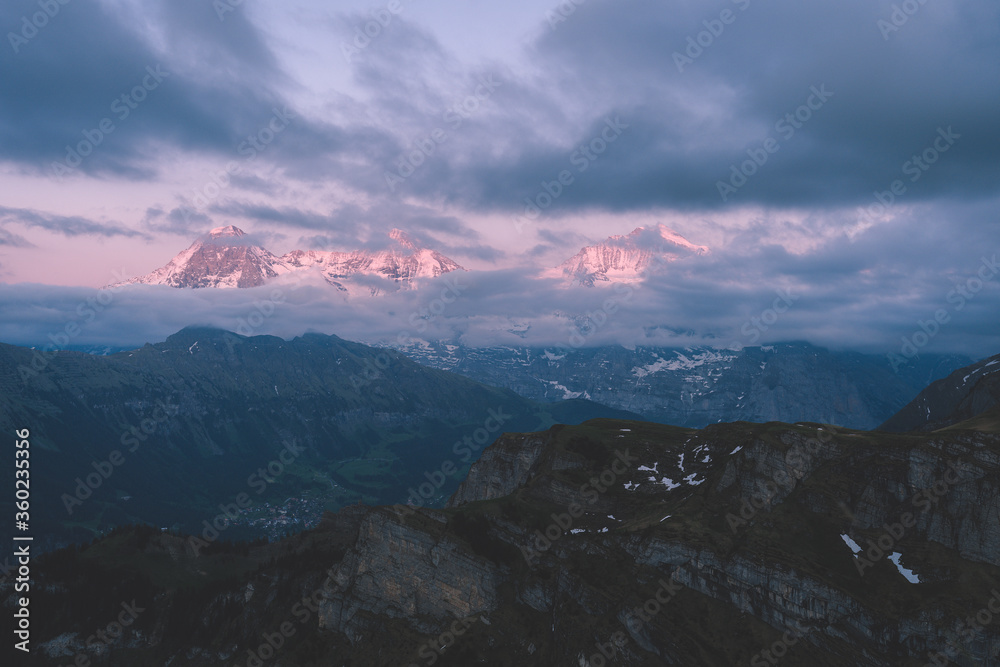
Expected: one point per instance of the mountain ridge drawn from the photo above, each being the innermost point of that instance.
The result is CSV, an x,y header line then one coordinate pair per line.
x,y
191,417
952,399
626,258
224,258
697,386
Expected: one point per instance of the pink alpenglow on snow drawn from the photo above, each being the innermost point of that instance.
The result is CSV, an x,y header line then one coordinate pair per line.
x,y
224,258
626,258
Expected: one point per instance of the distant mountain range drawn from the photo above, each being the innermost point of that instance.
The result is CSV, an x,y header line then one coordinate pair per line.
x,y
699,386
224,258
615,542
191,420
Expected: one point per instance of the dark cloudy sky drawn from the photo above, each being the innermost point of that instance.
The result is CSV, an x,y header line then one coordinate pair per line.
x,y
694,89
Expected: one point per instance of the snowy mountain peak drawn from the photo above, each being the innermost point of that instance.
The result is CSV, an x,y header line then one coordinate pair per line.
x,y
673,237
228,230
403,239
627,257
224,258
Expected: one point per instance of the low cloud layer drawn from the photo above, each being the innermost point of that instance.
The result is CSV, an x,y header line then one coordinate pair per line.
x,y
842,294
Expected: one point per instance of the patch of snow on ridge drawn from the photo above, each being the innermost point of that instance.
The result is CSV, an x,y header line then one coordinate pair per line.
x,y
683,362
567,394
850,543
908,574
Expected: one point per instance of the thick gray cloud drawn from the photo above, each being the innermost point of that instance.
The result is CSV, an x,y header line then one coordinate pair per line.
x,y
686,128
841,294
93,76
686,125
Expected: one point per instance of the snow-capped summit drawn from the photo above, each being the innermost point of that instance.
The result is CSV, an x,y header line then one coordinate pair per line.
x,y
228,230
402,238
221,258
402,262
225,257
626,258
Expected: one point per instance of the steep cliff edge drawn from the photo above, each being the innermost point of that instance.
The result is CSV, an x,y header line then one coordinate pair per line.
x,y
966,393
628,543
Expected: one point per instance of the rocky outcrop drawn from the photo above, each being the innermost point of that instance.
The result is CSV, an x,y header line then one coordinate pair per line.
x,y
398,570
645,545
501,469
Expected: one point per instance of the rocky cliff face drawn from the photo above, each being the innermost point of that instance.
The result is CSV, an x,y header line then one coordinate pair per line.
x,y
967,392
400,570
651,545
760,539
